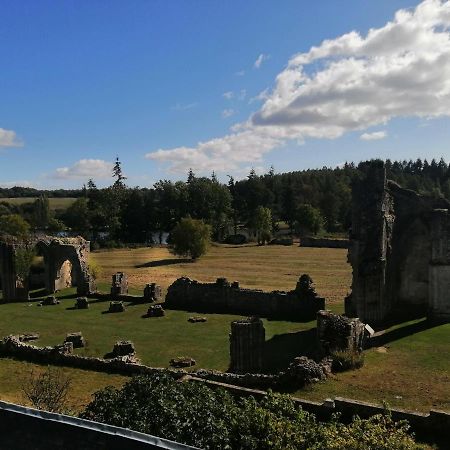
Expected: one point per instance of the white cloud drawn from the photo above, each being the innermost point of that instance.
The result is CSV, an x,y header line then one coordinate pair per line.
x,y
240,73
228,113
228,95
184,107
374,136
242,94
86,168
8,138
350,83
261,58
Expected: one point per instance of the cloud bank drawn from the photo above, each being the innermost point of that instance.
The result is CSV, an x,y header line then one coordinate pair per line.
x,y
85,169
345,84
8,138
375,136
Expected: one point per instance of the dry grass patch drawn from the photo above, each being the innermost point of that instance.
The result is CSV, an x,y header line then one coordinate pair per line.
x,y
265,267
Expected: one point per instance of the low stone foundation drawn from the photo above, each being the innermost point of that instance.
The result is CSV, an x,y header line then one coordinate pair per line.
x,y
324,242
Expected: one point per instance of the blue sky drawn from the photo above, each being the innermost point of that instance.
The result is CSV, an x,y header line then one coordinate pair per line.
x,y
84,81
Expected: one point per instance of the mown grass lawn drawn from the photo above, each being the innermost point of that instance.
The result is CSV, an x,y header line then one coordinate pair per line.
x,y
412,370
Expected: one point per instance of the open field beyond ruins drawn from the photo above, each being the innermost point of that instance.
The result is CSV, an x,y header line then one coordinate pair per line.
x,y
411,369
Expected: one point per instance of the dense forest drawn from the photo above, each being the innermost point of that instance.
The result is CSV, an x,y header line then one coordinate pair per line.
x,y
308,201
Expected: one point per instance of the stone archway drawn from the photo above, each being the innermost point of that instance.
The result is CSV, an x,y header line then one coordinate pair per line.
x,y
65,262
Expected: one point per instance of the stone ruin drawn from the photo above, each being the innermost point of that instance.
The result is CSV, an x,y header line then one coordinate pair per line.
x,y
155,311
65,265
49,301
152,292
247,341
119,285
182,361
339,333
116,307
399,251
197,319
123,348
302,303
76,338
82,303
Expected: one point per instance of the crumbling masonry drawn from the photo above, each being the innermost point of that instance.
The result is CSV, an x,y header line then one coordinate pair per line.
x,y
399,251
65,262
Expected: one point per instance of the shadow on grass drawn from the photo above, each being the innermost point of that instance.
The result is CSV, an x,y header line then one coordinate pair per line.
x,y
164,262
394,335
281,349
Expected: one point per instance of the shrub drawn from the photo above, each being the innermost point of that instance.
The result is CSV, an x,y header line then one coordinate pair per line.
x,y
94,268
191,237
14,225
194,414
347,360
48,390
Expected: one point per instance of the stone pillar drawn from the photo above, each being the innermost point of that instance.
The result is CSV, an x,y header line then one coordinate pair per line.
x,y
339,333
119,285
439,269
247,340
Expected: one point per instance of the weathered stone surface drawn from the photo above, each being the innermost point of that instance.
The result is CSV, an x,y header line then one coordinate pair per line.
x,y
65,260
155,311
49,301
182,361
399,251
119,284
197,319
247,339
76,338
26,337
152,292
116,307
339,333
303,370
229,298
82,303
123,348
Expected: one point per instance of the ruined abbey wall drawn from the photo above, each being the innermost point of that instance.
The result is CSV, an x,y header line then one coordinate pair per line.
x,y
65,261
302,303
399,251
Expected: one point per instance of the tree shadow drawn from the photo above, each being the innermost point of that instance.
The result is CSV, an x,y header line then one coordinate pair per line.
x,y
383,338
281,349
164,262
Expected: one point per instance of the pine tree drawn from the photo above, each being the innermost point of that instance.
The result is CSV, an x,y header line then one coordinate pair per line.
x,y
118,175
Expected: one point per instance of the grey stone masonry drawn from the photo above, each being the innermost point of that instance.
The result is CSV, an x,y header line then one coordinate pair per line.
x,y
152,292
399,251
247,340
119,284
302,303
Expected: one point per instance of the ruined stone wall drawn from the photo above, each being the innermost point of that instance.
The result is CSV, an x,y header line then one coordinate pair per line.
x,y
65,260
229,298
323,242
391,240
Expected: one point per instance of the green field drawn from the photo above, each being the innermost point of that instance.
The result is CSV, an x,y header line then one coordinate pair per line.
x,y
411,370
55,203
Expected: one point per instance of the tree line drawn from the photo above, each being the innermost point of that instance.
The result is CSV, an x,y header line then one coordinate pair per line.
x,y
307,202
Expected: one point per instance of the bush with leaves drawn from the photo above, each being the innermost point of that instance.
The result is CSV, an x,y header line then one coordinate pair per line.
x,y
194,414
191,237
14,225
